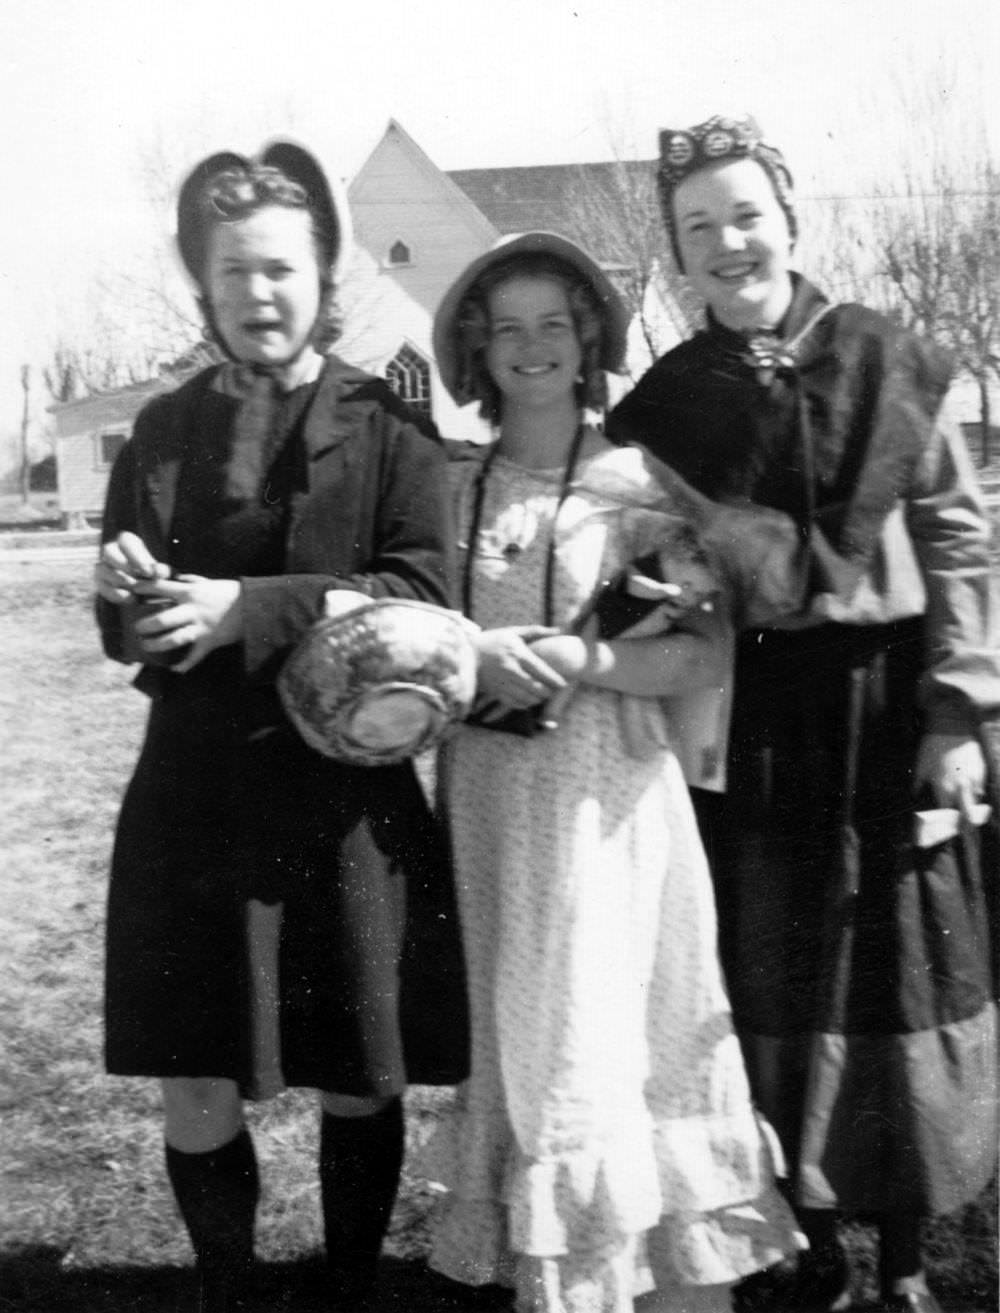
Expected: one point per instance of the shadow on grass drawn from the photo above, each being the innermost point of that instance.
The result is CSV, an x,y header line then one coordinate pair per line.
x,y
34,1280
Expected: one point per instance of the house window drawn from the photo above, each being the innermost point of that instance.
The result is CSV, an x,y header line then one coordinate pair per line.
x,y
108,446
399,253
409,377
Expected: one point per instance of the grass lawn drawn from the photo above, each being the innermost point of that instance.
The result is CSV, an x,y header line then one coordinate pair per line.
x,y
86,1222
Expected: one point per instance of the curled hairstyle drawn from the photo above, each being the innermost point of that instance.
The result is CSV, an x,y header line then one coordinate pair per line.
x,y
234,194
472,329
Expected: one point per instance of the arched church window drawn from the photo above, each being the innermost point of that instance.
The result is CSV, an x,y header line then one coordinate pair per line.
x,y
409,376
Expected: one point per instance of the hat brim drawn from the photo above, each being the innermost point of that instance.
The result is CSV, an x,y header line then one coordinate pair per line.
x,y
616,316
328,198
328,201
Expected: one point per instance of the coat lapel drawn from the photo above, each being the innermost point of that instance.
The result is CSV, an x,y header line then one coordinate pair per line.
x,y
332,517
160,462
334,437
332,428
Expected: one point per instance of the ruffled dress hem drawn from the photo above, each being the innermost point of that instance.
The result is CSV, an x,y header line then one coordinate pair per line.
x,y
698,1206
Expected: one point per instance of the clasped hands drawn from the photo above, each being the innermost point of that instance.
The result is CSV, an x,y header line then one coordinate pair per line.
x,y
523,665
206,613
519,666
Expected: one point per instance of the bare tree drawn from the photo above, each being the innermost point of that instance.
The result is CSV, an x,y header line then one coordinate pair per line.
x,y
976,322
942,260
153,286
106,362
25,471
922,241
837,250
928,255
612,209
62,375
140,318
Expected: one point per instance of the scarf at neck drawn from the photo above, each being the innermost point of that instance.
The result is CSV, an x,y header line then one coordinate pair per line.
x,y
257,436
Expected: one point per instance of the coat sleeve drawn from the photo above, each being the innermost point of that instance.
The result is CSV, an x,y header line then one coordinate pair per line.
x,y
406,542
950,528
637,416
122,514
414,548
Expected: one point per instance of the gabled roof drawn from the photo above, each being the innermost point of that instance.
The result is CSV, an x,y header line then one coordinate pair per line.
x,y
396,134
127,392
541,196
134,395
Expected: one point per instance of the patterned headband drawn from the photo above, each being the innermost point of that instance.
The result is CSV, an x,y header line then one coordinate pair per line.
x,y
685,151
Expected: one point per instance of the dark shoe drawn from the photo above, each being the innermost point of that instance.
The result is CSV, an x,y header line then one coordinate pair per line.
x,y
817,1281
221,1294
764,1291
911,1301
456,1294
824,1284
351,1289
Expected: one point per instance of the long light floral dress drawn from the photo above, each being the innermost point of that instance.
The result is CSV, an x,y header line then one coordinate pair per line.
x,y
605,1142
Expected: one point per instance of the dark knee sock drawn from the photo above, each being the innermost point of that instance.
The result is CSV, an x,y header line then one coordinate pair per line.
x,y
360,1160
824,1273
820,1227
899,1257
217,1196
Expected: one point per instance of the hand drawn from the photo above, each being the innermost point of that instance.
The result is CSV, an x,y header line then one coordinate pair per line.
x,y
510,674
954,767
567,654
123,564
668,596
207,613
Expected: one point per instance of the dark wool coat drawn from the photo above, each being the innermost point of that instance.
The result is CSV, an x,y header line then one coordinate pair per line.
x,y
227,804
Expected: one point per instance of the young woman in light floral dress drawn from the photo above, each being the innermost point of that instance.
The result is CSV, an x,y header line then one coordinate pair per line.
x,y
605,1146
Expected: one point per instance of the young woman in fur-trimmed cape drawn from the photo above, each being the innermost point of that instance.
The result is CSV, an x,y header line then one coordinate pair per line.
x,y
854,926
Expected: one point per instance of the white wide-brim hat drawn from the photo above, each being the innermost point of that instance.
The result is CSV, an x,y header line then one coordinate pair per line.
x,y
616,316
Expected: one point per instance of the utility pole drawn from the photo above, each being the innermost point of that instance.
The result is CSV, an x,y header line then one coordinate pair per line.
x,y
25,458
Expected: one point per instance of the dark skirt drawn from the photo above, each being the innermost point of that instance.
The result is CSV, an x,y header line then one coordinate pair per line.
x,y
366,987
860,967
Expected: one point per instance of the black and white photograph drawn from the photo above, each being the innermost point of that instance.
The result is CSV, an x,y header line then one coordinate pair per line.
x,y
500,656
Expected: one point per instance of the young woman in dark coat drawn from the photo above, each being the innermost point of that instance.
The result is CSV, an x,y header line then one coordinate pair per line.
x,y
276,918
854,933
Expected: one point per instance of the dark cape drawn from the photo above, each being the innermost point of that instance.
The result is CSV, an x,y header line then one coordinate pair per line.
x,y
834,427
228,809
860,967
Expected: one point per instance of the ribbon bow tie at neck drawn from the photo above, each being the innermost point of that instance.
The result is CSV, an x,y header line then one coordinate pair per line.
x,y
765,356
766,353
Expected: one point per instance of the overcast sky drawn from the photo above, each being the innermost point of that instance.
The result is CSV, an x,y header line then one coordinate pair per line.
x,y
88,87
